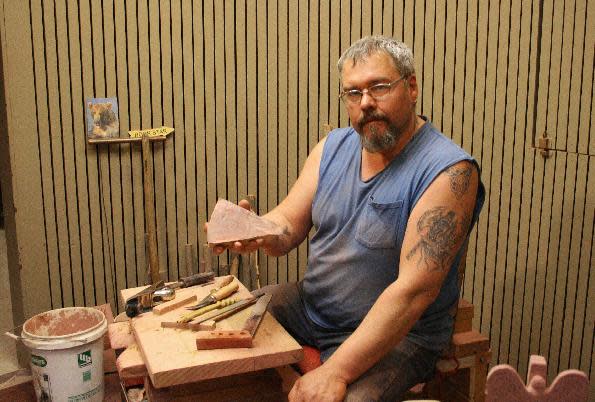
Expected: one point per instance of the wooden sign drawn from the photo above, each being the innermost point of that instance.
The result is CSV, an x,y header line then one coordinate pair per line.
x,y
151,132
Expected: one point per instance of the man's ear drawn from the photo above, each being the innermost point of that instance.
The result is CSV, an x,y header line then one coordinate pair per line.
x,y
412,85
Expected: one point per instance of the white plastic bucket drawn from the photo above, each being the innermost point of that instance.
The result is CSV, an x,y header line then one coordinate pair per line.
x,y
67,353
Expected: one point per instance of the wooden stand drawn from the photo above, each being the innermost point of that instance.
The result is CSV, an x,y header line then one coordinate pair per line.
x,y
461,373
149,192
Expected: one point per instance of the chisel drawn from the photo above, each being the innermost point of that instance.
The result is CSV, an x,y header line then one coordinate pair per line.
x,y
225,289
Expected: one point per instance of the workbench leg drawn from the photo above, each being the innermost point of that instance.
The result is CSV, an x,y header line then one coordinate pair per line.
x,y
479,375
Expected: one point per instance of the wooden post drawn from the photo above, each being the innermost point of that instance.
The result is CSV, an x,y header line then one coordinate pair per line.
x,y
188,258
150,209
148,187
253,257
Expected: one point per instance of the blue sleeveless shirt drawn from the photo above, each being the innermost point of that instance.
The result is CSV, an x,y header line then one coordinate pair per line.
x,y
359,230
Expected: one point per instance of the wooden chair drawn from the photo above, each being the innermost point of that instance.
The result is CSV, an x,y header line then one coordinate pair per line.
x,y
505,385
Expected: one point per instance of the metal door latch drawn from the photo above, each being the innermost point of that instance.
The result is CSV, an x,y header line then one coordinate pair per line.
x,y
544,145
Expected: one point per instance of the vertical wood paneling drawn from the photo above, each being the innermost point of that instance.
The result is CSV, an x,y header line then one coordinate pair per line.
x,y
272,119
209,111
438,85
324,64
303,123
586,143
505,123
57,151
471,31
241,98
248,86
125,152
513,169
187,231
199,131
228,22
116,232
163,25
41,97
70,201
447,98
262,126
177,221
21,62
282,121
80,161
334,54
565,283
293,117
136,184
482,276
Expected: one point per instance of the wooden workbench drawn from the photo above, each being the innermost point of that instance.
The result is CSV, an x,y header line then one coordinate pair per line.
x,y
171,357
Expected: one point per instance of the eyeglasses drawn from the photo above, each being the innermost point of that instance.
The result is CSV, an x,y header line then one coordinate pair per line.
x,y
377,92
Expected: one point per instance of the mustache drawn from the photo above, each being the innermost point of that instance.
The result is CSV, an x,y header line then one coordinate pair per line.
x,y
366,118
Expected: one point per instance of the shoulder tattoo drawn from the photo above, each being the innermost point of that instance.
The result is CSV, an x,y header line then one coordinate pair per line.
x,y
440,230
459,176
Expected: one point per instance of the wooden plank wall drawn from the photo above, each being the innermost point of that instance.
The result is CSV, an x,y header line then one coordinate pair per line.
x,y
250,86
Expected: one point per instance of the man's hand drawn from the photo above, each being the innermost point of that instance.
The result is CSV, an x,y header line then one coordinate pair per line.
x,y
319,385
243,247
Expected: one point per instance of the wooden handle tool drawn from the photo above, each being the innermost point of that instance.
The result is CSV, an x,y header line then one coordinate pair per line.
x,y
217,295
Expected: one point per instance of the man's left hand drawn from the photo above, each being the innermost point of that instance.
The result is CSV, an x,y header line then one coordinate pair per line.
x,y
319,385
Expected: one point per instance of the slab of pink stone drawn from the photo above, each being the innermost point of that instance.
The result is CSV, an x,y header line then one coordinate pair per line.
x,y
229,222
505,385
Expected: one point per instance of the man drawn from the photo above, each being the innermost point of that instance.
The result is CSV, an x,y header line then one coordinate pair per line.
x,y
392,202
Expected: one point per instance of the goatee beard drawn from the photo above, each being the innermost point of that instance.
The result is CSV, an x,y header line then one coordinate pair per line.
x,y
379,141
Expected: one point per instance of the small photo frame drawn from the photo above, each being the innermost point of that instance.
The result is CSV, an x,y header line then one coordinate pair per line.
x,y
102,118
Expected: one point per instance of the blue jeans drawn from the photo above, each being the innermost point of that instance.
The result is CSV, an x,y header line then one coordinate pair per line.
x,y
403,367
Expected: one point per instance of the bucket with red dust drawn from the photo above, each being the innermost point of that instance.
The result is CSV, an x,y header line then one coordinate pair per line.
x,y
67,353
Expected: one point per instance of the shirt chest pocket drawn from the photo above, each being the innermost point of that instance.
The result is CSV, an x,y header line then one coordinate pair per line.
x,y
379,224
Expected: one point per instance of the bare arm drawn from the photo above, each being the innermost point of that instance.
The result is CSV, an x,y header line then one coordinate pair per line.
x,y
436,230
293,214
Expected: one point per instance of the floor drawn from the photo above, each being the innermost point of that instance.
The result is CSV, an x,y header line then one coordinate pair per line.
x,y
8,361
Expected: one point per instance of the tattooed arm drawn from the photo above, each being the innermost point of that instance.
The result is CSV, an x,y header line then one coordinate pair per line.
x,y
437,228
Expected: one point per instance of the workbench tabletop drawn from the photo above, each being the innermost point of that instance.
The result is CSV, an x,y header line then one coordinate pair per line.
x,y
171,356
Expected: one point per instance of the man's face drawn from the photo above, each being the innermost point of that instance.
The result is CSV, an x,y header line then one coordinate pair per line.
x,y
379,122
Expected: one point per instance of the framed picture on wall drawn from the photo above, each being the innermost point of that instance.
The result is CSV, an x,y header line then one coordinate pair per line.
x,y
102,118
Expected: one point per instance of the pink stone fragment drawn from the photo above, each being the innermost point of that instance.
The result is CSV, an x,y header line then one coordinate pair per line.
x,y
505,385
229,222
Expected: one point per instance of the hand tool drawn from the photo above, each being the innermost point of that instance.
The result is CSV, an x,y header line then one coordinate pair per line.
x,y
143,300
196,279
221,303
235,338
225,312
226,288
214,315
158,293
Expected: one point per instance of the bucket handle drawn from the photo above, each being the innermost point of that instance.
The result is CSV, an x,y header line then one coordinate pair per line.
x,y
13,336
10,333
17,338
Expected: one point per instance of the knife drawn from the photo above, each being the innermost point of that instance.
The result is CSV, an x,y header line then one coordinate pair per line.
x,y
235,338
227,287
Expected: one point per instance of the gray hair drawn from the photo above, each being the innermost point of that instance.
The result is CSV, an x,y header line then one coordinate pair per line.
x,y
399,52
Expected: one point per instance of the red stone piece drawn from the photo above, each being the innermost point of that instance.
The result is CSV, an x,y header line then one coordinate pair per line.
x,y
229,222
